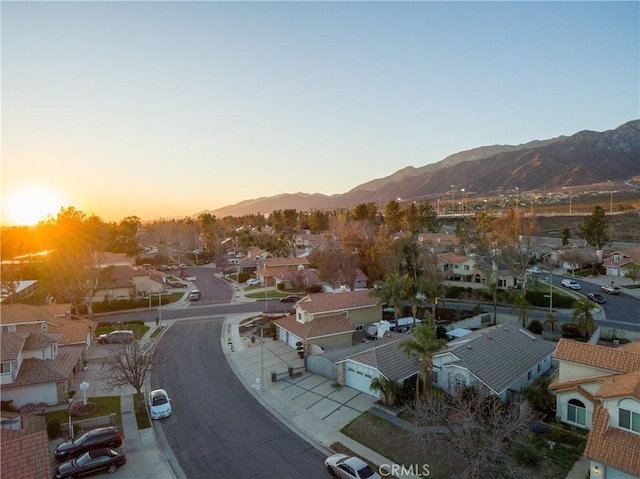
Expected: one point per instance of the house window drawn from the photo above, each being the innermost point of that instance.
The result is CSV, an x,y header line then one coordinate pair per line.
x,y
629,420
300,316
345,313
576,412
5,368
44,326
617,258
11,328
529,375
434,376
539,367
359,327
466,267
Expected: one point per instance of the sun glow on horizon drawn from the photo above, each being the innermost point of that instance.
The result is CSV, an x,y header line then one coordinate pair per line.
x,y
29,205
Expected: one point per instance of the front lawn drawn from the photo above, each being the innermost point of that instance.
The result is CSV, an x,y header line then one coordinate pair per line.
x,y
106,406
139,330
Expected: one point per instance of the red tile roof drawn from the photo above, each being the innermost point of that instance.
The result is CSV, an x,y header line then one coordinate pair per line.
x,y
603,357
31,437
613,446
621,385
29,313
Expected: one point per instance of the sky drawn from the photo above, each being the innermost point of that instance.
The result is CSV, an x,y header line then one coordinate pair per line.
x,y
163,109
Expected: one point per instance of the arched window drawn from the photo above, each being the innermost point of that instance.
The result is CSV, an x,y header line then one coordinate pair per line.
x,y
576,412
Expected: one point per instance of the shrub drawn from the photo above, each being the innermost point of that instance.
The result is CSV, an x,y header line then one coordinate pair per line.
x,y
31,407
8,406
535,327
53,428
79,409
524,455
570,330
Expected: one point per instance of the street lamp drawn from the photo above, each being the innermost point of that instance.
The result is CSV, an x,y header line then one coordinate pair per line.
x,y
453,199
464,207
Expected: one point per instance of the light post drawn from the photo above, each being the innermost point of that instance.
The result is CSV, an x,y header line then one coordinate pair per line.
x,y
517,198
453,200
611,201
464,207
84,385
551,291
160,305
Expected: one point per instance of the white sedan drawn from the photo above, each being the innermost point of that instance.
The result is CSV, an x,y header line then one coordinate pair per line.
x,y
252,282
347,467
570,283
159,404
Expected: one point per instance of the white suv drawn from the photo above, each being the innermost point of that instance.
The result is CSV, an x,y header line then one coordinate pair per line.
x,y
252,282
570,283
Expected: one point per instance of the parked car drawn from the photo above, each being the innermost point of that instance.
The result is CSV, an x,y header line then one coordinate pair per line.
x,y
534,270
570,283
195,295
103,459
90,440
596,298
119,336
610,289
292,298
159,404
252,282
347,467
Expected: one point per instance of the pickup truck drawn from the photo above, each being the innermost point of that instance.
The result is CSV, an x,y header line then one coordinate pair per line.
x,y
610,289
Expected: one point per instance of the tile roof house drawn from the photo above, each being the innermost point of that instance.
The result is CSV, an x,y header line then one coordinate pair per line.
x,y
502,360
20,433
384,359
276,271
616,261
329,320
598,388
34,369
465,271
53,318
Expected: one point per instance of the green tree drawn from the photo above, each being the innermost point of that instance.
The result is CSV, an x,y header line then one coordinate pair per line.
x,y
520,304
428,217
595,228
632,271
565,234
551,321
583,316
387,388
392,292
424,343
538,395
393,217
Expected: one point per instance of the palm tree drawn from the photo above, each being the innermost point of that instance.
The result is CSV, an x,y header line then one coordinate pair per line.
x,y
425,344
392,291
387,388
551,321
521,303
583,317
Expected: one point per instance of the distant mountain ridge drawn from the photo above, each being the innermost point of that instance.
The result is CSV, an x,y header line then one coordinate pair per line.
x,y
587,157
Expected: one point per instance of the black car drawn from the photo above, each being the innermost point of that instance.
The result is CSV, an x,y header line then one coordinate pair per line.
x,y
290,299
596,298
96,438
103,459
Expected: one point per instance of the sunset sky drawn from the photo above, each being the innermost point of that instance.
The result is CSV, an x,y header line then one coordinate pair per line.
x,y
162,109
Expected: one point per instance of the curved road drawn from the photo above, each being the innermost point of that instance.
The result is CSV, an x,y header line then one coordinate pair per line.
x,y
218,429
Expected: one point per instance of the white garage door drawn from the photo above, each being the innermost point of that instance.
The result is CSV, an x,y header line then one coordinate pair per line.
x,y
359,377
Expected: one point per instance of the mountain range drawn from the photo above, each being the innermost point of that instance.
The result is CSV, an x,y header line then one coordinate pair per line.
x,y
585,158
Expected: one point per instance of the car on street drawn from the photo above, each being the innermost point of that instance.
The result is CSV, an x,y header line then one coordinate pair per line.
x,y
252,282
596,298
96,460
292,298
116,337
570,283
95,438
349,467
610,289
159,404
195,295
534,270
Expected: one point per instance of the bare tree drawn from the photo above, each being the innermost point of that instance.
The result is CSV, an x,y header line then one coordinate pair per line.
x,y
129,364
480,428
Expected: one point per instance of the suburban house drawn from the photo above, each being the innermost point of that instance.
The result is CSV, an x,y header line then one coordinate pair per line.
x,y
52,318
34,369
598,388
275,271
385,359
20,433
465,271
18,291
438,242
305,243
329,320
127,282
617,261
502,360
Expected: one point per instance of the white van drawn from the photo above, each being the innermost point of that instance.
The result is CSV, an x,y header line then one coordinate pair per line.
x,y
194,295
